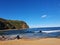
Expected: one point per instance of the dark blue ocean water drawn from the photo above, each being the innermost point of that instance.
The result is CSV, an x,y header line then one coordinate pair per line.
x,y
34,32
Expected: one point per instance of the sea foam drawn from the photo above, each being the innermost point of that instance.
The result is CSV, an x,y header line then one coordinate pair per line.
x,y
51,31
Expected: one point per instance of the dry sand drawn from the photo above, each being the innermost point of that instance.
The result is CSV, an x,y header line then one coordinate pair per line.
x,y
44,41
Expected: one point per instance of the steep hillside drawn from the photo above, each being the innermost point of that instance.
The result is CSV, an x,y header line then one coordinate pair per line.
x,y
12,24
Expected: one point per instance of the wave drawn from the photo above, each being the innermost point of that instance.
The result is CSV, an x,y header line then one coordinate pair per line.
x,y
51,31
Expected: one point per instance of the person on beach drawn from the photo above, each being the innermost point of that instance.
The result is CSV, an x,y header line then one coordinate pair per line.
x,y
18,37
3,37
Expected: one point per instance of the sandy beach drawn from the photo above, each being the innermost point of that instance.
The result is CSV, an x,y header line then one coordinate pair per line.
x,y
44,41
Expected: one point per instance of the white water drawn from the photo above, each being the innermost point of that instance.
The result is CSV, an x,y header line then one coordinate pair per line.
x,y
51,31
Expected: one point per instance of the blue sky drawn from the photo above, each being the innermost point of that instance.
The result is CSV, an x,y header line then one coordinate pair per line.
x,y
36,13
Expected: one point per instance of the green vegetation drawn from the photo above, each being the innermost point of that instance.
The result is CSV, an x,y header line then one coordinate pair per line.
x,y
12,24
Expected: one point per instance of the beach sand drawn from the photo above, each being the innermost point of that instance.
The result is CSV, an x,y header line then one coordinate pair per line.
x,y
43,41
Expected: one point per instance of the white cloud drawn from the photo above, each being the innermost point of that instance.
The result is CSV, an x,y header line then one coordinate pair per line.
x,y
43,16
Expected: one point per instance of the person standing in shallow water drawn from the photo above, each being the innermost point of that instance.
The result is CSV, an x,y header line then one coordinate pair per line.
x,y
3,36
40,31
18,37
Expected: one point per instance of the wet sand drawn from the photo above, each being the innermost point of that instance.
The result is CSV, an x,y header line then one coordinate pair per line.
x,y
44,41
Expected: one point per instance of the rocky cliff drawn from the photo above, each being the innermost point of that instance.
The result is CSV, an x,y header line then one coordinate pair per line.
x,y
12,24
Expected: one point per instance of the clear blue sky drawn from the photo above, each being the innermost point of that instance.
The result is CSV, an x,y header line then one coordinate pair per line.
x,y
36,13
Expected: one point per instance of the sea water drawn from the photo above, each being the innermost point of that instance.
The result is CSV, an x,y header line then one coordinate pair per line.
x,y
34,32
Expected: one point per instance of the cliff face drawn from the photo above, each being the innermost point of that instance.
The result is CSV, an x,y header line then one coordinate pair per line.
x,y
12,24
19,24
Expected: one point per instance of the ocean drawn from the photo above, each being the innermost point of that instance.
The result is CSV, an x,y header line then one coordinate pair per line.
x,y
33,32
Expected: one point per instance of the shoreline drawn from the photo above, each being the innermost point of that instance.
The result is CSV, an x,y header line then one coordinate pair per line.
x,y
13,29
24,38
